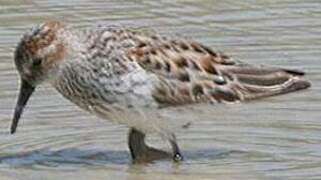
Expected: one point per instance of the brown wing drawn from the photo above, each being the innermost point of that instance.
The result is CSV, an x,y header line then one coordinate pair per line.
x,y
190,72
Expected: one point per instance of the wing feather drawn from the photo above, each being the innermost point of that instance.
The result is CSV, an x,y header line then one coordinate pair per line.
x,y
190,72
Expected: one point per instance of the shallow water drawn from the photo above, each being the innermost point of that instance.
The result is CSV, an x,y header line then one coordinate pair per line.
x,y
273,138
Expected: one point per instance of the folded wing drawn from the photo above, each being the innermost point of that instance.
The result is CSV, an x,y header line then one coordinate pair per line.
x,y
190,72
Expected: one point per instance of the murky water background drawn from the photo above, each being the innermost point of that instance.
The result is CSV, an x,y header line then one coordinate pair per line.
x,y
274,138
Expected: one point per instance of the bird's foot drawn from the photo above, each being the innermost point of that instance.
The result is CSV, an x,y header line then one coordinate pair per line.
x,y
178,157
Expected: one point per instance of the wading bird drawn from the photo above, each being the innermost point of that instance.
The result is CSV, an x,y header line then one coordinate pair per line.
x,y
127,76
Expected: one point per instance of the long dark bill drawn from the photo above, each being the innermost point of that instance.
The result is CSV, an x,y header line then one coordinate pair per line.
x,y
25,92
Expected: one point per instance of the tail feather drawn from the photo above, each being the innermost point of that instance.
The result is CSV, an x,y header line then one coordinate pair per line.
x,y
256,92
262,80
294,72
259,82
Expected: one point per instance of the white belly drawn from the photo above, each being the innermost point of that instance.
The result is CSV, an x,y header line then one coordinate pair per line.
x,y
148,120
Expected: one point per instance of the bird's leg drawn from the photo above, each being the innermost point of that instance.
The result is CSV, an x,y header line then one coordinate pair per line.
x,y
177,155
139,151
136,143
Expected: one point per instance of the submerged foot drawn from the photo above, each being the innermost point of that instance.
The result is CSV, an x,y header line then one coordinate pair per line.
x,y
150,154
140,152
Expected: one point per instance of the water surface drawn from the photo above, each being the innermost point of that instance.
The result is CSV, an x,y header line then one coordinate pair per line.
x,y
274,138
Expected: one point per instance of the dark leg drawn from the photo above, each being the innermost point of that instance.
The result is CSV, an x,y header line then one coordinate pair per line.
x,y
136,143
139,151
177,155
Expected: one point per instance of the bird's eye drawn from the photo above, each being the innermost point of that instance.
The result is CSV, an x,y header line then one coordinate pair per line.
x,y
36,62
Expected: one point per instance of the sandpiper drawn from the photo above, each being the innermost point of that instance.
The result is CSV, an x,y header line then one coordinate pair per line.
x,y
127,75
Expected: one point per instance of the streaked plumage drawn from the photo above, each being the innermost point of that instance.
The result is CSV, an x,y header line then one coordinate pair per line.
x,y
125,75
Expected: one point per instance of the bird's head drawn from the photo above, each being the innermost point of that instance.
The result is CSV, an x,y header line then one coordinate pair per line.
x,y
37,56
